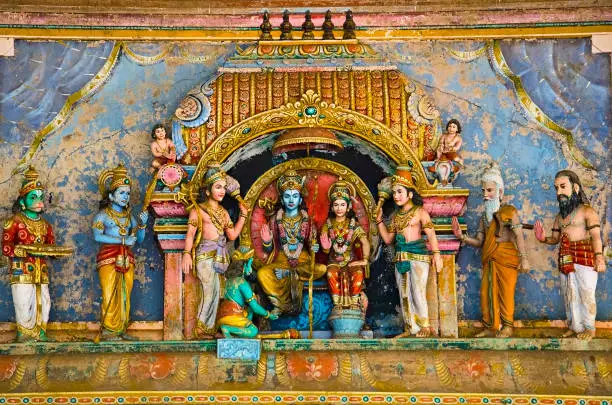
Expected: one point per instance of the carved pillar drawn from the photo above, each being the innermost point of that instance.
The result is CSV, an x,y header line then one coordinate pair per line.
x,y
173,297
442,204
170,228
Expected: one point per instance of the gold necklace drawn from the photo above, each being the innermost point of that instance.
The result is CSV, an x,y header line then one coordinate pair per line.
x,y
114,215
292,227
217,216
36,227
402,219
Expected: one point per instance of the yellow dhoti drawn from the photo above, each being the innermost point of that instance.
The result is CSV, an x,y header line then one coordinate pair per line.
x,y
116,291
286,293
500,263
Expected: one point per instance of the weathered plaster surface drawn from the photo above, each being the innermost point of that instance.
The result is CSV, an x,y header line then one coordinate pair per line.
x,y
113,126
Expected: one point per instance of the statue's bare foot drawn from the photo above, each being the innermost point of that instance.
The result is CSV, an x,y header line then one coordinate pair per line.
x,y
505,332
402,335
586,335
485,333
568,333
425,332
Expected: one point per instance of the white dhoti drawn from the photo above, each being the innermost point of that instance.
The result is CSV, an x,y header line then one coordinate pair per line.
x,y
32,304
210,293
578,289
413,296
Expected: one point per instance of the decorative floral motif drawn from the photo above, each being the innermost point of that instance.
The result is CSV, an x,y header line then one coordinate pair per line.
x,y
474,367
313,367
156,367
8,365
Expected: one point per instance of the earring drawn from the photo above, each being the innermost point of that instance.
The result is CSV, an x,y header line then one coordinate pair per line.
x,y
22,205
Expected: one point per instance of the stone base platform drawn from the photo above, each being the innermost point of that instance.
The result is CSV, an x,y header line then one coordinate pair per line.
x,y
412,371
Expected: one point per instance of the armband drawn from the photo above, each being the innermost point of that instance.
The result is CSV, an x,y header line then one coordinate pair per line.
x,y
428,224
556,230
267,315
98,225
588,228
516,226
193,222
597,253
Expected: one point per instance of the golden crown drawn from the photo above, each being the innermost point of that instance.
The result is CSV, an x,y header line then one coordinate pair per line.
x,y
290,180
341,190
213,174
30,182
118,177
403,177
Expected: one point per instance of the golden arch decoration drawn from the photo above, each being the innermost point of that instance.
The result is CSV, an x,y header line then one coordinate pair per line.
x,y
310,163
311,111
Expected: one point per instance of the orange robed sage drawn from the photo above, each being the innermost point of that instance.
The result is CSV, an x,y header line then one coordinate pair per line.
x,y
500,264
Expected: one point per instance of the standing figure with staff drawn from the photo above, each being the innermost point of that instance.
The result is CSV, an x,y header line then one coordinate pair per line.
x,y
117,230
206,245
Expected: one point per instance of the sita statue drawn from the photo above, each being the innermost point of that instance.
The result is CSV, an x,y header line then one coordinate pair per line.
x,y
27,239
117,230
348,247
412,258
287,239
239,304
209,228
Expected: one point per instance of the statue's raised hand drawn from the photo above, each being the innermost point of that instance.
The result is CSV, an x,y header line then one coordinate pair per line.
x,y
144,217
538,229
456,228
325,241
243,209
379,215
265,233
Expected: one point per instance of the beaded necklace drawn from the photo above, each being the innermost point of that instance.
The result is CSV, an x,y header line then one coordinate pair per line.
x,y
115,216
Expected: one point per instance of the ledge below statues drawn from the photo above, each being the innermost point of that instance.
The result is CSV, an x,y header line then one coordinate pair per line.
x,y
530,371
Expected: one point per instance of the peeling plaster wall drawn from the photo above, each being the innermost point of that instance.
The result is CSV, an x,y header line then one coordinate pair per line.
x,y
114,125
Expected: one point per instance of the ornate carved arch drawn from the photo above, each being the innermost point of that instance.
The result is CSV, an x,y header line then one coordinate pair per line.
x,y
311,111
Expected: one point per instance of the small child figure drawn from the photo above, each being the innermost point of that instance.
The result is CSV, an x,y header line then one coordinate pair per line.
x,y
450,143
162,148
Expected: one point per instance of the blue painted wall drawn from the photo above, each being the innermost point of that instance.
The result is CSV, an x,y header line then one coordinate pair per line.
x,y
113,126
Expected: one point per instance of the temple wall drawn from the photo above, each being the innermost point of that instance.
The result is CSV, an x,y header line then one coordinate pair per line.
x,y
112,124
